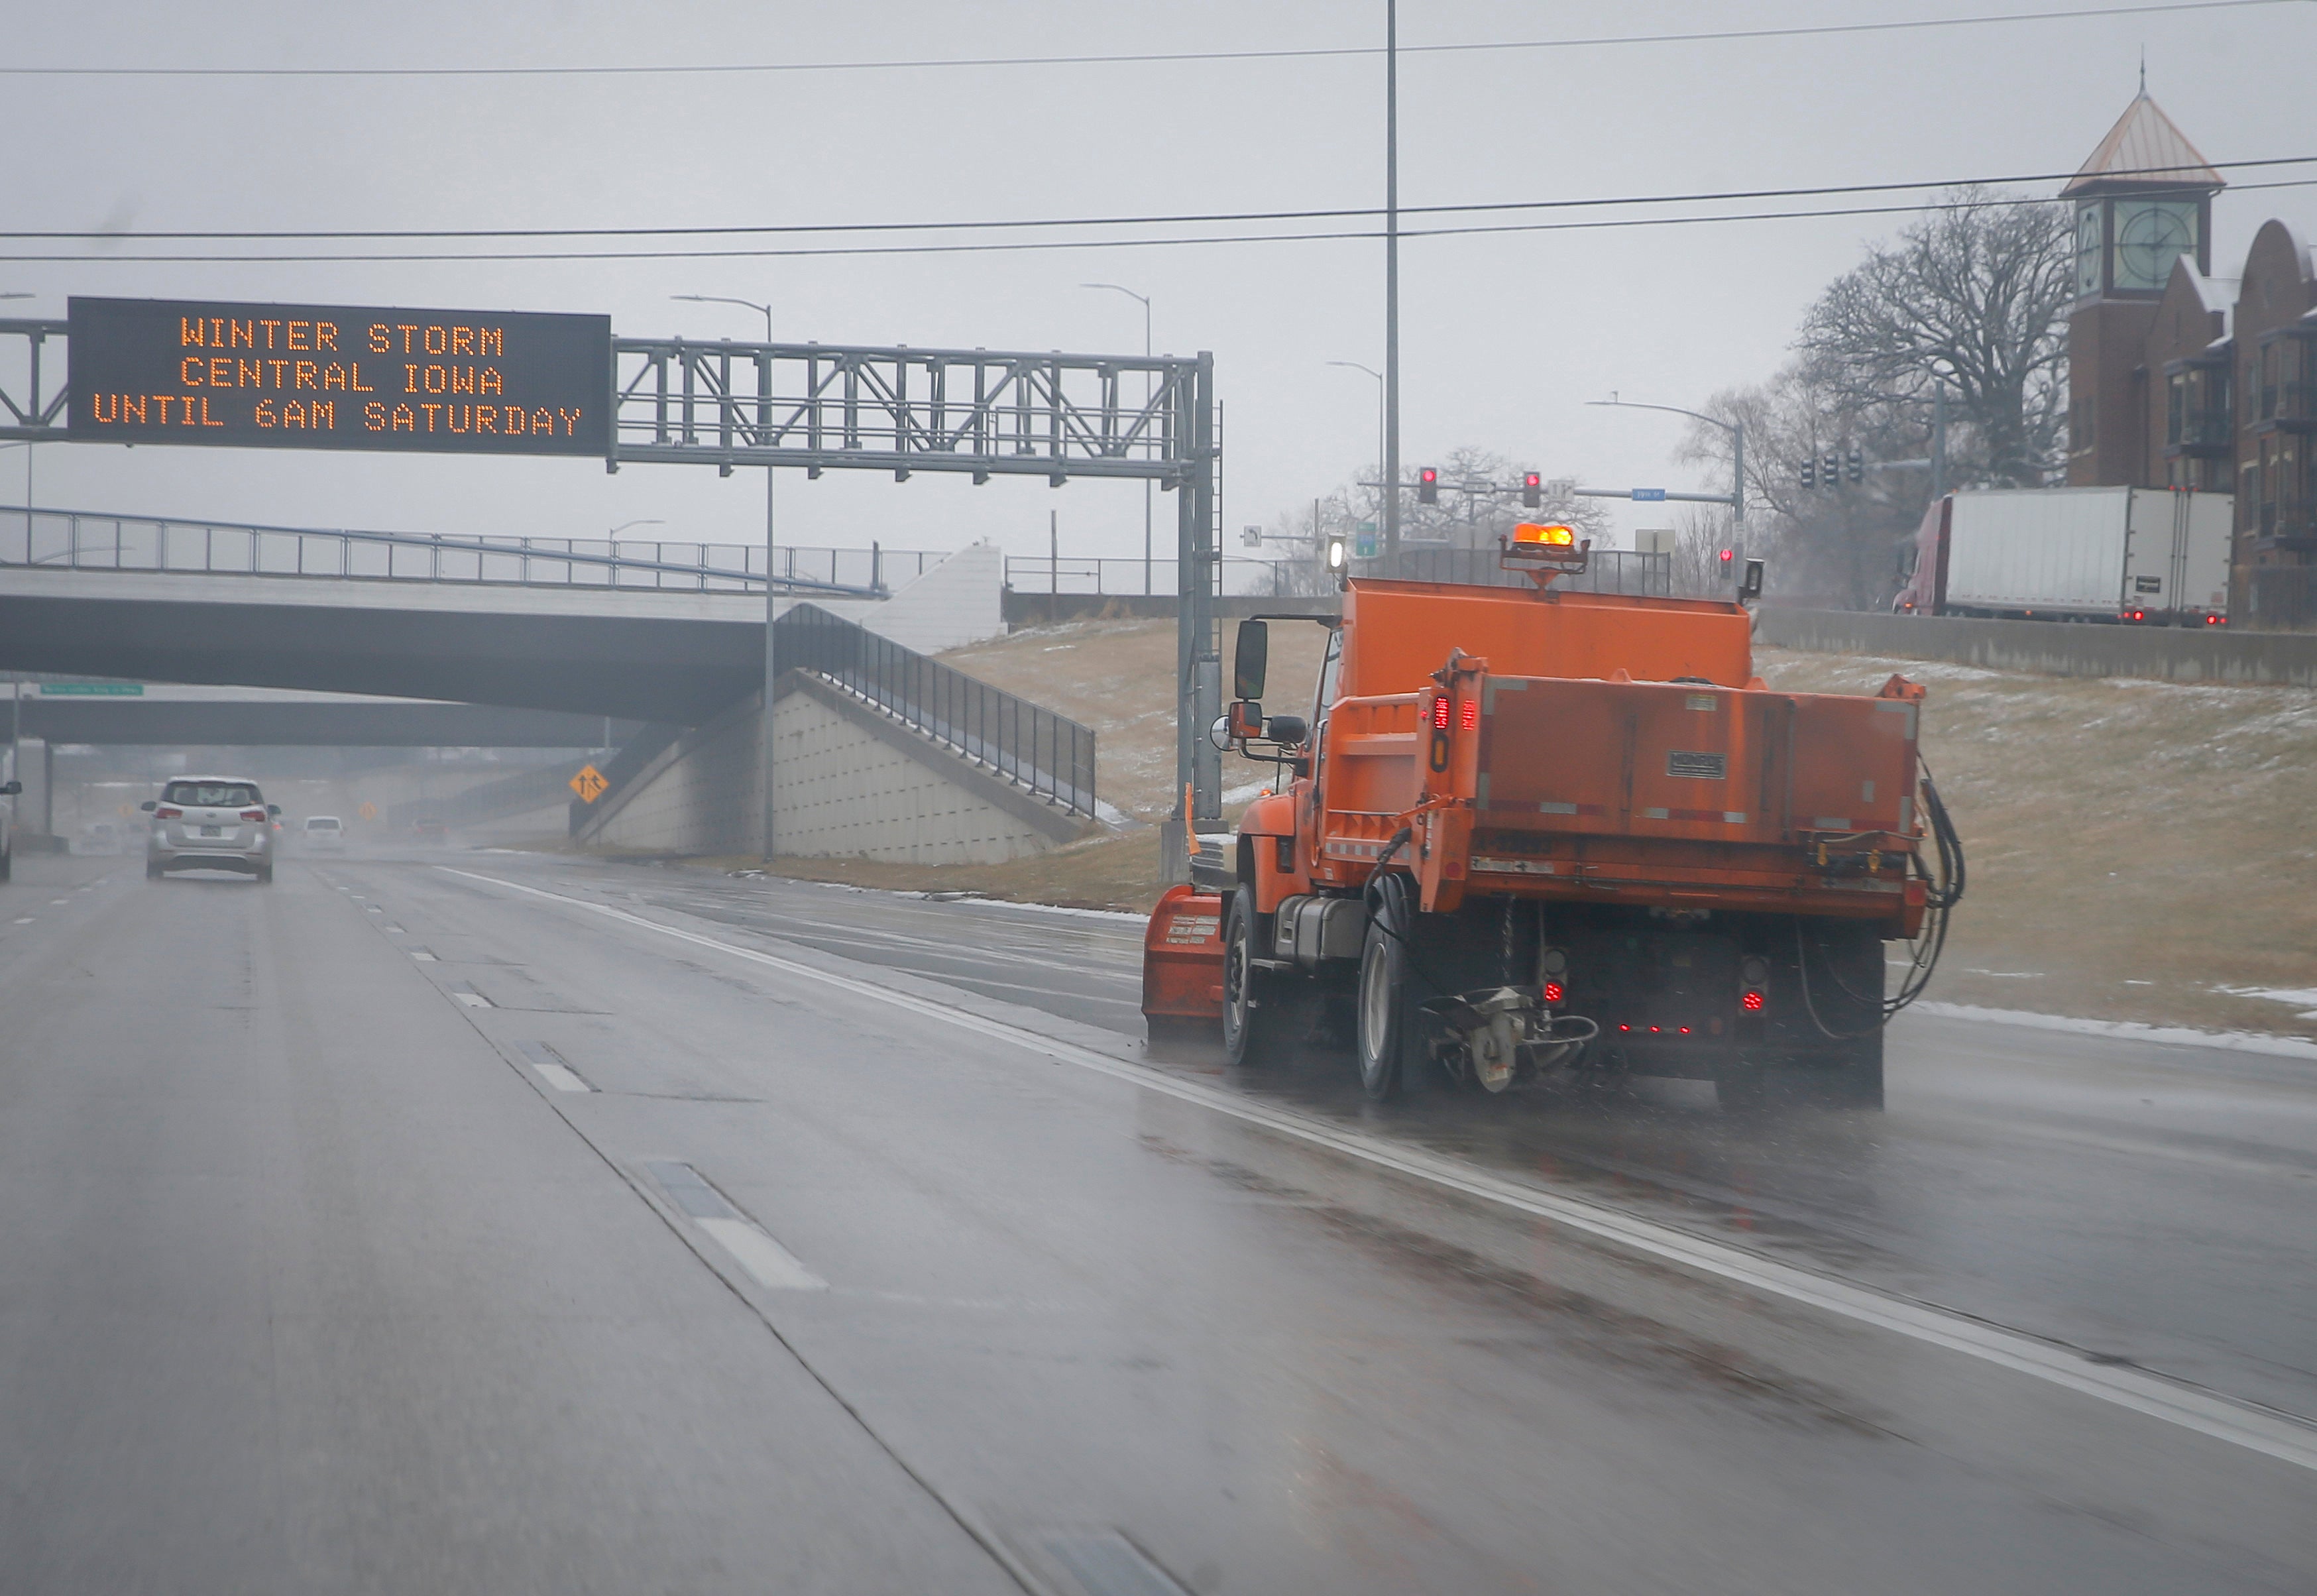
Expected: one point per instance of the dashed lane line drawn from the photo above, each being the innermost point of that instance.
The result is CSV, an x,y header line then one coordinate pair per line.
x,y
2264,1430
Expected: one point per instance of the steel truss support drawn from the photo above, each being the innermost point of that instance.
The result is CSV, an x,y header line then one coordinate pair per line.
x,y
32,395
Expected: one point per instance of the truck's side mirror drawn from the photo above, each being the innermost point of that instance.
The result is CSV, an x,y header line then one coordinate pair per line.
x,y
1750,584
1250,659
148,806
10,789
1287,730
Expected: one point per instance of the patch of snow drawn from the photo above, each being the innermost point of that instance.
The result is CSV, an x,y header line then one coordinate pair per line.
x,y
2126,1030
2297,996
1247,794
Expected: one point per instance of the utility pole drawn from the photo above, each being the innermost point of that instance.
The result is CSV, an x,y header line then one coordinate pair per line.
x,y
771,591
1391,287
1938,442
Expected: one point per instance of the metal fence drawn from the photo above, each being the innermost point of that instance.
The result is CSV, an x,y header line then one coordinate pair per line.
x,y
1035,748
77,539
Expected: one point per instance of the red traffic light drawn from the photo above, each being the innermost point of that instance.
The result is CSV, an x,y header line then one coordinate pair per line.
x,y
1427,486
1532,489
1727,555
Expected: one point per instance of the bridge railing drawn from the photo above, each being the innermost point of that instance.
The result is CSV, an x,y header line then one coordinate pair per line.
x,y
1051,755
79,540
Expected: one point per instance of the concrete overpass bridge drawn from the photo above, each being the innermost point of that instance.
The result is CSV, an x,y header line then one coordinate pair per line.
x,y
464,640
165,714
653,632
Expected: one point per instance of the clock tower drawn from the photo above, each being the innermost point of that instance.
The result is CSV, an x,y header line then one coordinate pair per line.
x,y
2142,202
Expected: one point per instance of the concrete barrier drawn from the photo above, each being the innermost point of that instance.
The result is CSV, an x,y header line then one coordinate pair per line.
x,y
2054,647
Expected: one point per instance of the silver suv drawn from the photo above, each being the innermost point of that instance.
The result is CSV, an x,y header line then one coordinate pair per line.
x,y
211,822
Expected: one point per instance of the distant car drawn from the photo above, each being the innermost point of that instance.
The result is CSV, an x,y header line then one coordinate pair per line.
x,y
100,837
211,823
430,830
324,830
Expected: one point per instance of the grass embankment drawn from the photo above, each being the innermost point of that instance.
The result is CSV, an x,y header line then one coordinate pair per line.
x,y
2135,848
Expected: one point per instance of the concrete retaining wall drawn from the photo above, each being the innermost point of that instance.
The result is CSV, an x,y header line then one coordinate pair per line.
x,y
2056,648
850,783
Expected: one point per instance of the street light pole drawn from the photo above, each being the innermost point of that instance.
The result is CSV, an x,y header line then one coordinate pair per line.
x,y
1371,371
20,294
771,591
1145,299
1391,286
1737,430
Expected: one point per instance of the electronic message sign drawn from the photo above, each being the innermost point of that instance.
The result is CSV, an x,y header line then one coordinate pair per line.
x,y
340,377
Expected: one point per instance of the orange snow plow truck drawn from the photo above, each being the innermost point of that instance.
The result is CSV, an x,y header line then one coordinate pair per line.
x,y
1531,835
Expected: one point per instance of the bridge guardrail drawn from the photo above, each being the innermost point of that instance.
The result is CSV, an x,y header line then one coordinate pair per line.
x,y
82,539
1051,755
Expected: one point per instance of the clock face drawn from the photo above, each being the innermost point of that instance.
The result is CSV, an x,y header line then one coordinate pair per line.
x,y
2149,237
2088,252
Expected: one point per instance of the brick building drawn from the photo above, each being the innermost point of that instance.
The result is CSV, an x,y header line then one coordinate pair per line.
x,y
2182,378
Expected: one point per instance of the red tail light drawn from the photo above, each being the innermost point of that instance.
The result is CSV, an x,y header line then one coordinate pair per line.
x,y
1440,712
1471,713
253,814
1553,992
1753,1002
165,813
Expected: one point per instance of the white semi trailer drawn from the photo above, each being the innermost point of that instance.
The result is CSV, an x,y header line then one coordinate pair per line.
x,y
2141,556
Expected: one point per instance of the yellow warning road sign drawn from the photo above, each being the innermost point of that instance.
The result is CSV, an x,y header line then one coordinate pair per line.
x,y
589,783
368,811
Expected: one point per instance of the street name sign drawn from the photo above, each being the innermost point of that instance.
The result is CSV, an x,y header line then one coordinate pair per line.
x,y
1649,496
340,377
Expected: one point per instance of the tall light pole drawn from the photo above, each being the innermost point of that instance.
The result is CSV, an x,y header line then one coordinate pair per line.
x,y
624,526
1737,430
1355,366
1145,299
771,589
1391,287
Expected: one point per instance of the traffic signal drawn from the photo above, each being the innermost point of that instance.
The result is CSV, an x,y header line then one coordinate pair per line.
x,y
1809,473
1427,486
1857,463
1532,489
1729,555
1829,471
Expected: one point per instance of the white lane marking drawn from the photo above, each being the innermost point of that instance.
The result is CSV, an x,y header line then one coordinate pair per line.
x,y
421,955
25,921
2256,1429
373,908
471,999
391,930
772,1264
55,900
559,1076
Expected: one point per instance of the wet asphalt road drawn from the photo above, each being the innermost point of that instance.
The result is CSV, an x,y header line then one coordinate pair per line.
x,y
401,1228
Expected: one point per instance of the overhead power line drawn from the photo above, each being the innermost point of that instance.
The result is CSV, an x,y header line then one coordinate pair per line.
x,y
1031,244
935,63
1191,219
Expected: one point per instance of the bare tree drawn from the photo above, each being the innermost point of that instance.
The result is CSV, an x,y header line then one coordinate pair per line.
x,y
1973,297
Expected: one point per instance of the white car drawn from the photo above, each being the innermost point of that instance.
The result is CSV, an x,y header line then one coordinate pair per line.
x,y
324,830
211,823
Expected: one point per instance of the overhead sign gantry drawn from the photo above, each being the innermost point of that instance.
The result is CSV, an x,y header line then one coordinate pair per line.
x,y
394,379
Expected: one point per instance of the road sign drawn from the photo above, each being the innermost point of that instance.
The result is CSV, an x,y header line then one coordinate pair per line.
x,y
340,377
92,689
368,811
1649,496
589,783
1364,543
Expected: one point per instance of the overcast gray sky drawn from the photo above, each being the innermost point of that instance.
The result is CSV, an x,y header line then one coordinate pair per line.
x,y
1503,337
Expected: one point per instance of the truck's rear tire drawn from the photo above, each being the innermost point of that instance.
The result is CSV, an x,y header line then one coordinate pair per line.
x,y
1391,1031
1259,1009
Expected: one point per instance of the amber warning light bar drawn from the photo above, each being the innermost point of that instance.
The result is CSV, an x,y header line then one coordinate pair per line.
x,y
1547,543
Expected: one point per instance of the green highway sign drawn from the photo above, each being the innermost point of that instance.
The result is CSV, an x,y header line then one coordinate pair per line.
x,y
92,689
